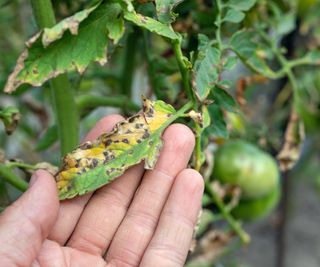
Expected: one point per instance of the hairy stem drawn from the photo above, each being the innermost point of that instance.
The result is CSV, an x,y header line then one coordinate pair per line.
x,y
9,176
62,95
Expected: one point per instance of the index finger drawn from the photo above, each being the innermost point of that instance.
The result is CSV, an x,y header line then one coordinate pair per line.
x,y
71,210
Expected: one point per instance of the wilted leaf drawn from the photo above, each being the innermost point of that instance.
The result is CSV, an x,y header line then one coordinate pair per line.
x,y
151,25
65,51
94,164
206,72
164,10
293,141
47,166
10,117
207,218
210,247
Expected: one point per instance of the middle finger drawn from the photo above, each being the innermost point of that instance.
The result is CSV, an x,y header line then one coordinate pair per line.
x,y
138,226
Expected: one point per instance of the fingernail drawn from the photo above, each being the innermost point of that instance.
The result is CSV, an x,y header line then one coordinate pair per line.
x,y
33,179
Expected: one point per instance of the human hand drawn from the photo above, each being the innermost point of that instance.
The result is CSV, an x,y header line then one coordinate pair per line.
x,y
143,218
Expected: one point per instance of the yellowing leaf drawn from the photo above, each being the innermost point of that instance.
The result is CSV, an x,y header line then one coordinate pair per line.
x,y
94,164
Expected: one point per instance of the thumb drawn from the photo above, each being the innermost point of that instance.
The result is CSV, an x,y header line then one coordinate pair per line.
x,y
26,223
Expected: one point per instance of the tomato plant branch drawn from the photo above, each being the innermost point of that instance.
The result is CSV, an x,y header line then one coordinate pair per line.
x,y
245,238
198,160
184,70
218,23
185,74
22,165
129,62
85,102
9,176
62,95
150,67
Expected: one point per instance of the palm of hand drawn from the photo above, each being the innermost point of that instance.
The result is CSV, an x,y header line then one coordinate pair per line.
x,y
140,219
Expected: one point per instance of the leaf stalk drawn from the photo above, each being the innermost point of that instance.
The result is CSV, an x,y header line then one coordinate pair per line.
x,y
9,176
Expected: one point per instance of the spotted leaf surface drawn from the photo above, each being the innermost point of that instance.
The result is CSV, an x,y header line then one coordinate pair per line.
x,y
94,164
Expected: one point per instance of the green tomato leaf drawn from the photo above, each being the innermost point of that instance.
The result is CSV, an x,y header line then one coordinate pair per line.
x,y
151,25
205,117
230,62
94,164
66,51
233,16
218,126
224,99
312,57
206,72
243,5
164,10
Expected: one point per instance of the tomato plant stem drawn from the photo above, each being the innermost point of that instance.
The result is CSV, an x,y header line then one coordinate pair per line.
x,y
235,225
218,24
66,113
198,160
129,62
20,165
62,95
9,176
185,73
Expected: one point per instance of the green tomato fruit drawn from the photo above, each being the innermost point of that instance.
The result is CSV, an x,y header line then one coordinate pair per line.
x,y
250,210
243,164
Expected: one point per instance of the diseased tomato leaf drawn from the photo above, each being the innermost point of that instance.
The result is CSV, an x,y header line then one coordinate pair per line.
x,y
70,45
94,164
164,10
